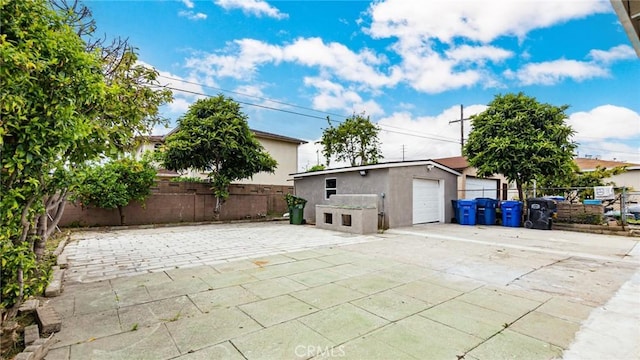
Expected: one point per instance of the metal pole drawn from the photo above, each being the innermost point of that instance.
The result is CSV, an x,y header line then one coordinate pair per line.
x,y
461,129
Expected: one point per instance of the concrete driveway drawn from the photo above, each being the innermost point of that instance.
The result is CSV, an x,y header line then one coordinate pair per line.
x,y
277,291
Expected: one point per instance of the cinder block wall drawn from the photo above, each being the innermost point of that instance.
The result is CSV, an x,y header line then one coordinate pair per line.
x,y
174,202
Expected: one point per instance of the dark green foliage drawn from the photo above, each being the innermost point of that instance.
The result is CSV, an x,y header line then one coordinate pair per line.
x,y
214,137
115,184
355,141
522,139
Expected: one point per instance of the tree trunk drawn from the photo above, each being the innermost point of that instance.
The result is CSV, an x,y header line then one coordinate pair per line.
x,y
40,237
520,193
216,210
57,209
121,212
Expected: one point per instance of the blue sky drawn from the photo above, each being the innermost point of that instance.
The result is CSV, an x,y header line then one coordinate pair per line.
x,y
408,64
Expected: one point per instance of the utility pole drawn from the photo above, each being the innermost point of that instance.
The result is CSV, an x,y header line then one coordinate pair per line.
x,y
461,121
403,146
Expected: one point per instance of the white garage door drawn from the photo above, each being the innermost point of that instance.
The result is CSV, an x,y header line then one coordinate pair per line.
x,y
427,201
481,188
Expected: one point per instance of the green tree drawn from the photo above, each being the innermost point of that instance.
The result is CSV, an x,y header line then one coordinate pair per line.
x,y
214,137
355,141
62,103
522,139
115,184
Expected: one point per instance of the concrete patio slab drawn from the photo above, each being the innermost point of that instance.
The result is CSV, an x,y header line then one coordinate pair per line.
x,y
222,298
547,328
274,287
472,319
220,351
145,343
428,292
510,345
276,310
290,340
445,291
217,326
328,295
423,338
391,305
343,322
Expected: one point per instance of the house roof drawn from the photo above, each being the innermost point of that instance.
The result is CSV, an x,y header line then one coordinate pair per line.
x,y
376,166
460,163
266,135
585,164
457,163
257,133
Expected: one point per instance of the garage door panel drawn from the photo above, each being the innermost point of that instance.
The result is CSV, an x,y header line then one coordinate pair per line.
x,y
485,188
426,201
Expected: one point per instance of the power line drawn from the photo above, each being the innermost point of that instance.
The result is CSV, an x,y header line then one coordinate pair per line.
x,y
249,95
311,116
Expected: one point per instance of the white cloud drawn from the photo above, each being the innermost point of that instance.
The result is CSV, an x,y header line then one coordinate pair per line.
x,y
188,3
553,72
179,105
620,52
605,122
478,53
192,15
360,67
257,8
333,96
481,21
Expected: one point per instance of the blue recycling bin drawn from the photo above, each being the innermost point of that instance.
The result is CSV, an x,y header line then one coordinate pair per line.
x,y
486,214
467,212
511,213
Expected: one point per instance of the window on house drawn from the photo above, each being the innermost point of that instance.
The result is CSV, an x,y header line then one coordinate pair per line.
x,y
346,220
330,188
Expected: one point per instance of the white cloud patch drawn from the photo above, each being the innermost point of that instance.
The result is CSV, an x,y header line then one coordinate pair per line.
x,y
620,52
605,122
311,52
191,15
553,72
257,8
479,21
334,97
188,3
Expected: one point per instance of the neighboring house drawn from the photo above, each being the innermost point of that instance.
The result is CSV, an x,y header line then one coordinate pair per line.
x,y
630,178
410,192
283,149
470,186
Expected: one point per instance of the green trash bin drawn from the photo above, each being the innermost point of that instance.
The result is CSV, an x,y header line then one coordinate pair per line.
x,y
296,209
296,215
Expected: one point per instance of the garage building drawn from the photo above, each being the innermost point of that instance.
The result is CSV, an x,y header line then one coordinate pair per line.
x,y
410,192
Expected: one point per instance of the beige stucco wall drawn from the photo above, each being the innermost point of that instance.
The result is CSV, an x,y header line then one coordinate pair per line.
x,y
471,172
286,154
629,178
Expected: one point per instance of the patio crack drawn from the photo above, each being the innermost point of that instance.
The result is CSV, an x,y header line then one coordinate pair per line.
x,y
504,327
536,269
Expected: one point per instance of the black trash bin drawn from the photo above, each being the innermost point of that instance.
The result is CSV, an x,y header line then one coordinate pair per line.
x,y
540,213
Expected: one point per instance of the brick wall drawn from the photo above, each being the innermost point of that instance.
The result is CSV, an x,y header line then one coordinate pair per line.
x,y
174,202
580,213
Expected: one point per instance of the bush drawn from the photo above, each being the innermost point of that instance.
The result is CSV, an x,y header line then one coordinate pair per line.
x,y
294,201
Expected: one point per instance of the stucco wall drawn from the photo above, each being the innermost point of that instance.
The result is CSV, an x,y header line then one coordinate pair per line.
x,y
286,154
629,178
312,188
400,197
395,183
